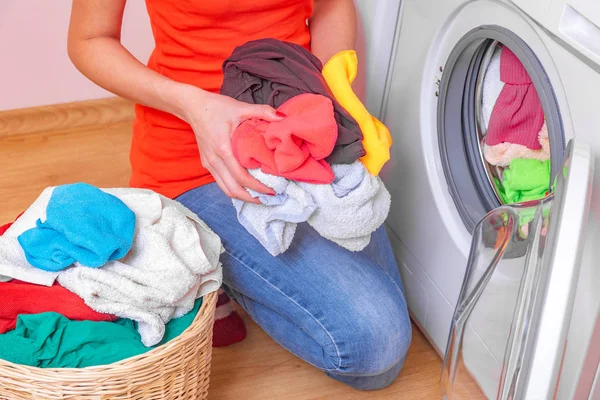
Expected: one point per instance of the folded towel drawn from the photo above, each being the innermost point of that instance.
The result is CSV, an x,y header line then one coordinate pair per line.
x,y
349,220
26,298
502,154
517,116
273,223
82,224
492,86
339,72
295,147
50,340
269,71
174,260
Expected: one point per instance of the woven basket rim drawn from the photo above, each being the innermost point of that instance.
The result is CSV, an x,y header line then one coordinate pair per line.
x,y
153,356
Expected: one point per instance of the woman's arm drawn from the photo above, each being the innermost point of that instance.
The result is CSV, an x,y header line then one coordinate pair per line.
x,y
332,27
94,46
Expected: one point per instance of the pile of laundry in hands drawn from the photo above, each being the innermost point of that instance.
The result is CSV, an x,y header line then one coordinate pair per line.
x,y
91,277
516,139
322,160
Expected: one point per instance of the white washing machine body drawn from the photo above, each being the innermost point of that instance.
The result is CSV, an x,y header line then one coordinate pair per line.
x,y
431,239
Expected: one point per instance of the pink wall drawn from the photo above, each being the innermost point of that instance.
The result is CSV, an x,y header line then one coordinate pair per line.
x,y
34,66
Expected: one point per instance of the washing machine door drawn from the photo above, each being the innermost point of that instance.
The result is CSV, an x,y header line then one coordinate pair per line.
x,y
510,324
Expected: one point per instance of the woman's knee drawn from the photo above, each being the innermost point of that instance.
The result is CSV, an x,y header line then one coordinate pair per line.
x,y
373,342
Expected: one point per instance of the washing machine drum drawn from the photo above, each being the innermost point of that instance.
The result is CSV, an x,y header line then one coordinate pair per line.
x,y
499,125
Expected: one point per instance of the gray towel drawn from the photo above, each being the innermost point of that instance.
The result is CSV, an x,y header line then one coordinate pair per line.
x,y
349,220
273,223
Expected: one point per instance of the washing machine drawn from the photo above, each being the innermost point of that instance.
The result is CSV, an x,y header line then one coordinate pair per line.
x,y
503,281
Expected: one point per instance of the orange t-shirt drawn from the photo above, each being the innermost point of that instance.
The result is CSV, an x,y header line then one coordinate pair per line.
x,y
193,38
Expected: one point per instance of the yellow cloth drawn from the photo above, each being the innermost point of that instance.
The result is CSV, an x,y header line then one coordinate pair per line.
x,y
339,72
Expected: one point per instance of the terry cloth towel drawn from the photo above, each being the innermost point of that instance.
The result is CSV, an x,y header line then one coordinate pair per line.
x,y
525,180
349,220
26,298
517,116
269,71
294,148
273,222
173,261
50,340
3,229
13,263
502,154
82,224
492,86
339,72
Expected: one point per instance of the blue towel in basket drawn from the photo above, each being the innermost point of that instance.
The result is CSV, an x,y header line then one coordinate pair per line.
x,y
83,224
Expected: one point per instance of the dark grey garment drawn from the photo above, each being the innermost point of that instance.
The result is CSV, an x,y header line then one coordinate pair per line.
x,y
269,71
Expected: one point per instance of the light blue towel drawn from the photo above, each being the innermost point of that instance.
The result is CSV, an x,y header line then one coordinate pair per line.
x,y
83,224
347,213
273,223
347,177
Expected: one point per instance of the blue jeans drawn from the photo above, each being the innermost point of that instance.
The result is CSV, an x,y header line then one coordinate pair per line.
x,y
342,312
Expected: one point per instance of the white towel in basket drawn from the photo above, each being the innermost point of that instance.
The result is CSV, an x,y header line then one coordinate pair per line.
x,y
173,261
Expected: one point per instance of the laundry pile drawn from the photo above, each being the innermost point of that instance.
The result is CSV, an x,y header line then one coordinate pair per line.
x,y
322,160
516,140
92,276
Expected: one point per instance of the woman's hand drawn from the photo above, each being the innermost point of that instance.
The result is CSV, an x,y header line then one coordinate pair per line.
x,y
213,118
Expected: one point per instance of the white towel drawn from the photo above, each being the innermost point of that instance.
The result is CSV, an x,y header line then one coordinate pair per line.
x,y
492,86
346,211
273,223
349,220
173,261
13,263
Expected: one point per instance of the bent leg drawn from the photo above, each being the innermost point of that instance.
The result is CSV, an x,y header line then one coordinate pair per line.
x,y
342,312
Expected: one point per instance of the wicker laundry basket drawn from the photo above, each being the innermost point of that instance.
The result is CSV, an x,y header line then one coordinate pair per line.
x,y
177,370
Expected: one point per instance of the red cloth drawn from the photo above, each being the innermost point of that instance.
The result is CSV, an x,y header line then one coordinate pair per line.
x,y
26,298
18,297
294,148
4,228
517,116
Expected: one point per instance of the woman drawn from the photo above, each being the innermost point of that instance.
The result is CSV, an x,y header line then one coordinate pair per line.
x,y
342,312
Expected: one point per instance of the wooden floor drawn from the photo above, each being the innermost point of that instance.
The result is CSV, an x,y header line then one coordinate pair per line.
x,y
96,151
